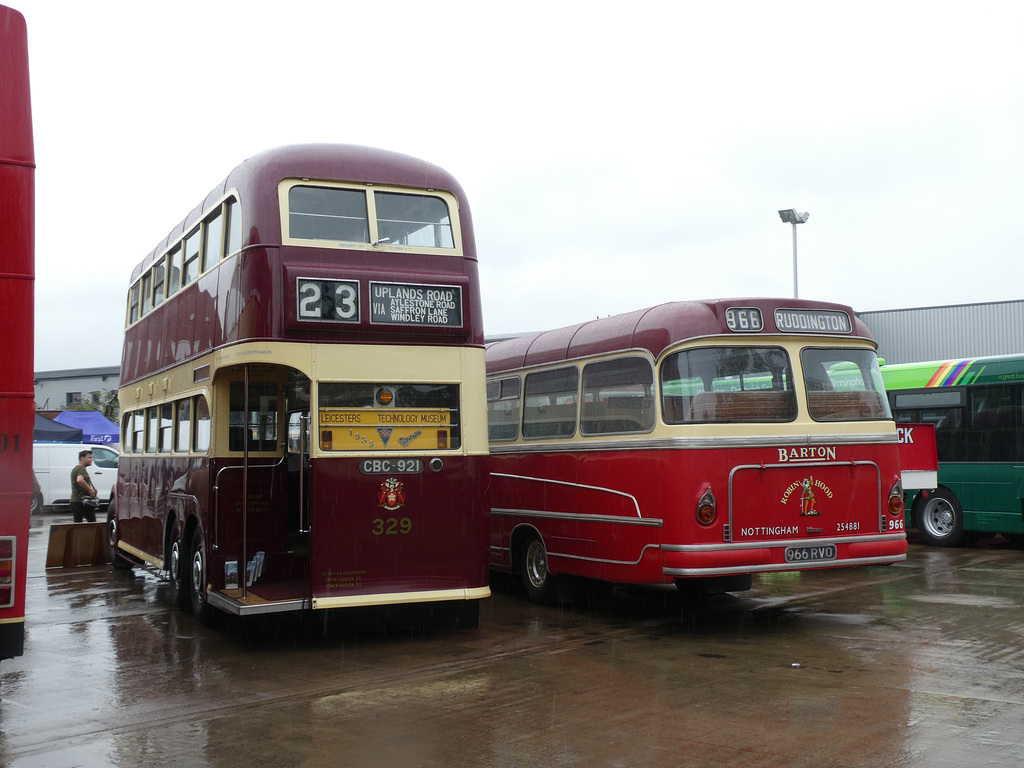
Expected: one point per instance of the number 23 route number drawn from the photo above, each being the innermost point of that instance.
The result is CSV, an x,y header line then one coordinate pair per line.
x,y
332,300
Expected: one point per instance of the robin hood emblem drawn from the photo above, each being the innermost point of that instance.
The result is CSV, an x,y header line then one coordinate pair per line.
x,y
807,491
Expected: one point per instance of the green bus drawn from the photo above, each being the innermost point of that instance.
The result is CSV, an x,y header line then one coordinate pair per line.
x,y
977,407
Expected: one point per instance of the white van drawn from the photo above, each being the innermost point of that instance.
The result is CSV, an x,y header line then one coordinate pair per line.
x,y
52,464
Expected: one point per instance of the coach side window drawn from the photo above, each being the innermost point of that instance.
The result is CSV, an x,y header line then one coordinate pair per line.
x,y
551,398
617,396
503,409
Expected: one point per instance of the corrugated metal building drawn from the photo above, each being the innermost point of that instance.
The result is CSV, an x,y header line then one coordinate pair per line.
x,y
940,333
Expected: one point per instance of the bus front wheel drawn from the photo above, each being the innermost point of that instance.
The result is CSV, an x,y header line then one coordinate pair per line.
x,y
533,567
116,560
940,520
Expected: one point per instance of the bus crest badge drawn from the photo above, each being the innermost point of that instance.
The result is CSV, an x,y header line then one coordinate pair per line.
x,y
392,494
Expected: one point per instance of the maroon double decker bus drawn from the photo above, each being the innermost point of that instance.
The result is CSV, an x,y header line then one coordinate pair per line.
x,y
17,273
693,442
303,395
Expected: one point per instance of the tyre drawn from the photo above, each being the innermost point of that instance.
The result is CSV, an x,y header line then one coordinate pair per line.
x,y
36,505
940,519
533,567
177,573
201,608
118,562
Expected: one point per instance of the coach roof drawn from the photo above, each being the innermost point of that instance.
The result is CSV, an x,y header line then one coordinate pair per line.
x,y
652,329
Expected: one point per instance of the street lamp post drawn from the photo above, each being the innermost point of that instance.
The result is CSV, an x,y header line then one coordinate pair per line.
x,y
790,216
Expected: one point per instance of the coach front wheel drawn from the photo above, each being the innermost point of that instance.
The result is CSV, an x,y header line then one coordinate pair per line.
x,y
940,519
533,567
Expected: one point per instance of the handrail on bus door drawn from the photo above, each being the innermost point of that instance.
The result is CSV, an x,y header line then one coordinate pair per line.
x,y
304,523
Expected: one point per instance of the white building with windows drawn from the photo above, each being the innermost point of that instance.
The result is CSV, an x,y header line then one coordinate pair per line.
x,y
58,390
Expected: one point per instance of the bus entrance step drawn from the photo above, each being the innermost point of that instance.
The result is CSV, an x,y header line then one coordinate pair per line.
x,y
74,544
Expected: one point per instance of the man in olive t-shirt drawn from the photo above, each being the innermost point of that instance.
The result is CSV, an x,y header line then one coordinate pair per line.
x,y
81,485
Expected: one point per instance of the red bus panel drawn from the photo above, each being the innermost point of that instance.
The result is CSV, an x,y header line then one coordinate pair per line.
x,y
17,273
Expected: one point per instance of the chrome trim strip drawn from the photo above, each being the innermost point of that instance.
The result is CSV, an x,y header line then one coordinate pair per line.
x,y
629,496
887,560
696,442
873,538
535,513
603,560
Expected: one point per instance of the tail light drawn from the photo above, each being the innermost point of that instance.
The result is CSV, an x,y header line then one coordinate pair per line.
x,y
896,504
707,508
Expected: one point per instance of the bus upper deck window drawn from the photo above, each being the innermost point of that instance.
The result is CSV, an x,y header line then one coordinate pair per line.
x,y
324,213
417,220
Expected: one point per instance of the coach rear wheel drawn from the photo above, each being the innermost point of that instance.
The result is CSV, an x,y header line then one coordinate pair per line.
x,y
940,520
533,566
201,608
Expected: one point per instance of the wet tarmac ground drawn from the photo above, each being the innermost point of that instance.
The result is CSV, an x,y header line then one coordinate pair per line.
x,y
916,664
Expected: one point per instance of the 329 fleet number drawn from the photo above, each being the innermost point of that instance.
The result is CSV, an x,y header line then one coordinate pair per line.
x,y
391,527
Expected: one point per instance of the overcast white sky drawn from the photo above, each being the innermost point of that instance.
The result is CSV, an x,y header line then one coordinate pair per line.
x,y
615,155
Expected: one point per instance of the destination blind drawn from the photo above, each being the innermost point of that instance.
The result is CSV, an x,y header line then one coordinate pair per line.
x,y
437,306
390,429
